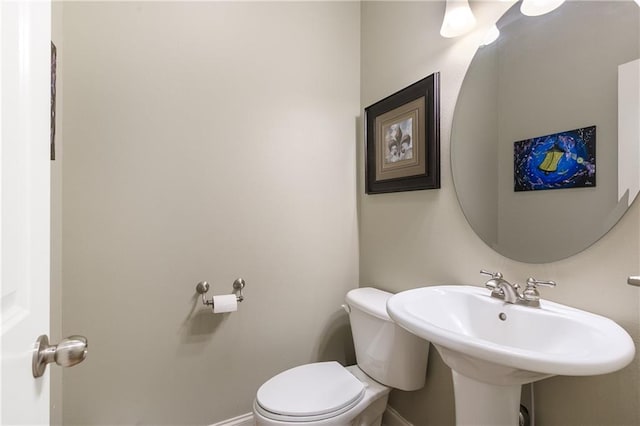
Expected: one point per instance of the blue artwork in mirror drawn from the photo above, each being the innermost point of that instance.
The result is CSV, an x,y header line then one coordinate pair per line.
x,y
556,161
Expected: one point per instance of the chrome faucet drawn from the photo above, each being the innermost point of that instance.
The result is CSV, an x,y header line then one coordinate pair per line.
x,y
501,288
504,290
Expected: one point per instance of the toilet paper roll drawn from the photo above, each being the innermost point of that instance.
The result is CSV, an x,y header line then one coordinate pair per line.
x,y
225,303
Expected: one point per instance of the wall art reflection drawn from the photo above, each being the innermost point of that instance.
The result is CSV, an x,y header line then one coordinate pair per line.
x,y
560,160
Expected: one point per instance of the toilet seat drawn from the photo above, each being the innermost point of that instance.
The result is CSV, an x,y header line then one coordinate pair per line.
x,y
309,392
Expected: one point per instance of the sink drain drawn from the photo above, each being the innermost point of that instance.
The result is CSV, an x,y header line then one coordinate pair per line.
x,y
502,316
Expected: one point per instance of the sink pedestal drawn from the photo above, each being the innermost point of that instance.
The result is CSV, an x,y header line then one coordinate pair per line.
x,y
486,393
479,403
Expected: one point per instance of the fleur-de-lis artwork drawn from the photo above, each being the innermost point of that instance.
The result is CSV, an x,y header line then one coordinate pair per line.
x,y
403,139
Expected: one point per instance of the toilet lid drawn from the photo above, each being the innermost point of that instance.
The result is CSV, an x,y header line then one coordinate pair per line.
x,y
319,390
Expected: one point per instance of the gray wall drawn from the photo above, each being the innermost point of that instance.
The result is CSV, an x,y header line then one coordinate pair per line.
x,y
435,245
208,141
205,141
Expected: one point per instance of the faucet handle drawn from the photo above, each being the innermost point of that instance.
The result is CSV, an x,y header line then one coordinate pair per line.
x,y
491,284
532,282
491,274
531,295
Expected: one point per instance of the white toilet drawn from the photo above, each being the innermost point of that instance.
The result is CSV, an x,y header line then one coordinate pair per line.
x,y
328,394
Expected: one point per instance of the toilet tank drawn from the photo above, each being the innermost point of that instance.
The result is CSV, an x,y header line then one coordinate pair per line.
x,y
385,351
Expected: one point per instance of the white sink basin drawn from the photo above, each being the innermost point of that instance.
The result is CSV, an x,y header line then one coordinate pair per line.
x,y
506,345
553,339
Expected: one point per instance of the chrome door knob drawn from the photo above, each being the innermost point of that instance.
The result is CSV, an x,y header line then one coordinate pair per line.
x,y
69,352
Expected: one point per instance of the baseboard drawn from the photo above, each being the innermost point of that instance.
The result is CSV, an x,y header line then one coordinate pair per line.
x,y
392,418
243,420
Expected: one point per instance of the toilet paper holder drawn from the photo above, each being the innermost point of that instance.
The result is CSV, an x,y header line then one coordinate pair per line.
x,y
202,287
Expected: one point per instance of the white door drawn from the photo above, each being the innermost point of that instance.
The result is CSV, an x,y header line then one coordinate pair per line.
x,y
25,37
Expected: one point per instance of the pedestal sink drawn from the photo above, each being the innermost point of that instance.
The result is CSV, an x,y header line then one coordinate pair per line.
x,y
493,347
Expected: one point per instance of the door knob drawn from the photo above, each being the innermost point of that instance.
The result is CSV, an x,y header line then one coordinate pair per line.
x,y
69,352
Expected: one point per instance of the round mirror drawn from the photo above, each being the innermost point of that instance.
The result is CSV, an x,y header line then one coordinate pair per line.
x,y
545,140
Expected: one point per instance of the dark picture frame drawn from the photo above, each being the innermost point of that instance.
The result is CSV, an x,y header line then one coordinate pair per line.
x,y
402,136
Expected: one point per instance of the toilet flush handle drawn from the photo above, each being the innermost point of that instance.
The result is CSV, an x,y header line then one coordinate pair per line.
x,y
347,308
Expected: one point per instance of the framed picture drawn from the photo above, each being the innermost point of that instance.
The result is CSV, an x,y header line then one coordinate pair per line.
x,y
556,161
402,134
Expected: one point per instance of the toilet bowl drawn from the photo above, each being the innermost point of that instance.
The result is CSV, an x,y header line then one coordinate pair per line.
x,y
354,398
328,394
